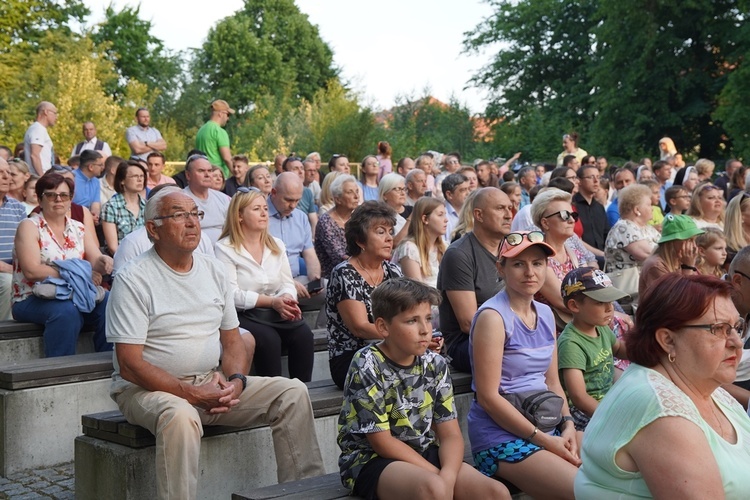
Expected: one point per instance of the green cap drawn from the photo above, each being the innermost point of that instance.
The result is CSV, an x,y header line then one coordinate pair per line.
x,y
678,227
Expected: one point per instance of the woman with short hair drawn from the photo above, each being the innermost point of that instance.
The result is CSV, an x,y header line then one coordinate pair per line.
x,y
392,191
124,212
369,243
330,239
667,429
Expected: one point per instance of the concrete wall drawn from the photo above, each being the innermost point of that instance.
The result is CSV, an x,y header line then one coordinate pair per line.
x,y
17,350
38,426
229,463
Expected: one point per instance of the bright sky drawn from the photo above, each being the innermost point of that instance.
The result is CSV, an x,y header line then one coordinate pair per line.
x,y
384,49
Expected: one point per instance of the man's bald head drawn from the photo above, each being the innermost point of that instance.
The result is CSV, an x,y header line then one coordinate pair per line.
x,y
46,113
492,212
286,192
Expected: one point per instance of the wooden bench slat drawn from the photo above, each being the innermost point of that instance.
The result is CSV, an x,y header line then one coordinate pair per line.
x,y
326,487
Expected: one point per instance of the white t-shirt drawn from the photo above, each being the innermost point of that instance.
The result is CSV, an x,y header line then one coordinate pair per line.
x,y
137,242
37,134
175,316
215,208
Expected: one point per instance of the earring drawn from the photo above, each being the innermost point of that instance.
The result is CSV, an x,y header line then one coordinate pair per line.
x,y
671,357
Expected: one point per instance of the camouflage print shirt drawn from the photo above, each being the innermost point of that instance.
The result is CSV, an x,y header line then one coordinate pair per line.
x,y
380,395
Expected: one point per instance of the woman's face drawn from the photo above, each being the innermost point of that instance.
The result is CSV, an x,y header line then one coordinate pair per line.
x,y
341,164
254,217
712,203
715,254
553,225
379,242
691,181
349,198
525,273
56,201
30,194
396,197
262,180
706,360
473,179
17,178
371,166
646,175
217,179
134,180
568,144
515,197
437,222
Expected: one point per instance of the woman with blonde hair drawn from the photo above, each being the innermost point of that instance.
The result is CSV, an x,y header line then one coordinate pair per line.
x,y
676,252
465,217
666,148
420,253
19,174
707,206
264,293
712,252
737,225
705,169
326,197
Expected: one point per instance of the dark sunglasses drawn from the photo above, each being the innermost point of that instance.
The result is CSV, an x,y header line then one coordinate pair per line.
x,y
565,215
515,239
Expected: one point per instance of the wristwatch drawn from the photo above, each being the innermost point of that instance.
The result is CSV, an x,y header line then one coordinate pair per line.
x,y
691,268
239,376
566,418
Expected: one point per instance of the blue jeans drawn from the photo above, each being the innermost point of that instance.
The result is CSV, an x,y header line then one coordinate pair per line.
x,y
62,323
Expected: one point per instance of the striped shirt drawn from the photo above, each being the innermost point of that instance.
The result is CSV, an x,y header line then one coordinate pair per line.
x,y
12,212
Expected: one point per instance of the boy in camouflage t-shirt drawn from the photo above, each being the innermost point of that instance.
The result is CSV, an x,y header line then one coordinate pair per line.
x,y
398,405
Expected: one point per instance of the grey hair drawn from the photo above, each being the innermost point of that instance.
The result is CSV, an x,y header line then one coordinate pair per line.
x,y
413,173
388,183
156,202
337,186
313,156
543,199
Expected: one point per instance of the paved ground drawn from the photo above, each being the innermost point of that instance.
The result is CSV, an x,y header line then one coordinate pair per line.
x,y
53,482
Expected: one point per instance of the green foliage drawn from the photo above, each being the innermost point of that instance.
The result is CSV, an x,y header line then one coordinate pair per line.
x,y
126,40
24,23
622,74
268,47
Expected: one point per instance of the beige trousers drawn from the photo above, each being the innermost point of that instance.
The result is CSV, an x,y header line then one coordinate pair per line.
x,y
281,403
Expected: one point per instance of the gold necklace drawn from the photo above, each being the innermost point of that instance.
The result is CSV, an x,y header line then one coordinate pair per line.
x,y
372,280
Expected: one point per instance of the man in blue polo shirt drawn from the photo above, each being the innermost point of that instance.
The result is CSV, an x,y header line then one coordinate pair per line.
x,y
292,227
12,212
87,192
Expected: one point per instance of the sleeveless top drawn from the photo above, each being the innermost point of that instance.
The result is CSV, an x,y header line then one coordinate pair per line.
x,y
526,358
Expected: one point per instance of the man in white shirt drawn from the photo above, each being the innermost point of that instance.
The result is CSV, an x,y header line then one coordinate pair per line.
x,y
39,153
91,142
214,203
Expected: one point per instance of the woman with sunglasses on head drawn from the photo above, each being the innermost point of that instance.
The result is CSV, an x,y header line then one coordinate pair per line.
x,y
667,429
514,352
707,206
264,293
48,244
123,213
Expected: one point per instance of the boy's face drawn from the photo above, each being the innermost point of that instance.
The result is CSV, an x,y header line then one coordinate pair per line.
x,y
592,312
681,202
408,334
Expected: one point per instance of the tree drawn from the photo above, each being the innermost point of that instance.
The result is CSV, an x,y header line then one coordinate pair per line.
x,y
23,23
138,55
268,47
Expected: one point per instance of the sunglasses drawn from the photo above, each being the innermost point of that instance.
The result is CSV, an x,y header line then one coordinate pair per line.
x,y
565,215
515,239
246,190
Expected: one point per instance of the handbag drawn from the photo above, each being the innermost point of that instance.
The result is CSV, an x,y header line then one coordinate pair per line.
x,y
270,317
627,280
541,408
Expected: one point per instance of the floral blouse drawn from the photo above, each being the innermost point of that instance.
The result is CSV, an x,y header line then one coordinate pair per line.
x,y
72,247
330,244
622,234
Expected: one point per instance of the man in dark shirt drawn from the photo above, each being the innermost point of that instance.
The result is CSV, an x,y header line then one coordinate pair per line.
x,y
468,276
592,213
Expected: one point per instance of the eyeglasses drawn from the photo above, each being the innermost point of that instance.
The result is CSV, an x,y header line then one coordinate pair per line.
x,y
515,239
246,190
139,177
52,196
192,158
723,330
565,215
399,189
743,275
572,177
183,216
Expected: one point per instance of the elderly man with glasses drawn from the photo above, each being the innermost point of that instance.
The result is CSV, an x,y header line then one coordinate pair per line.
x,y
173,383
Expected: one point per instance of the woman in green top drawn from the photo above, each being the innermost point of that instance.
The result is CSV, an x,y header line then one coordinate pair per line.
x,y
667,429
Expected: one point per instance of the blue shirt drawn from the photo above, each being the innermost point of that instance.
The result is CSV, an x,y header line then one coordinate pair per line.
x,y
525,199
87,190
294,230
662,192
12,212
613,212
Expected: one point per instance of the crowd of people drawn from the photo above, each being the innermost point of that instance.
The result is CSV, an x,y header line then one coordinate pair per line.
x,y
548,283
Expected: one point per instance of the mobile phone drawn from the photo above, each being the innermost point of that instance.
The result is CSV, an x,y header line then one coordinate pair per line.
x,y
437,334
314,286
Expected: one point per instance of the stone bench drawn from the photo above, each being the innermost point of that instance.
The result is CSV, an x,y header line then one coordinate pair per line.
x,y
115,460
23,341
41,402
